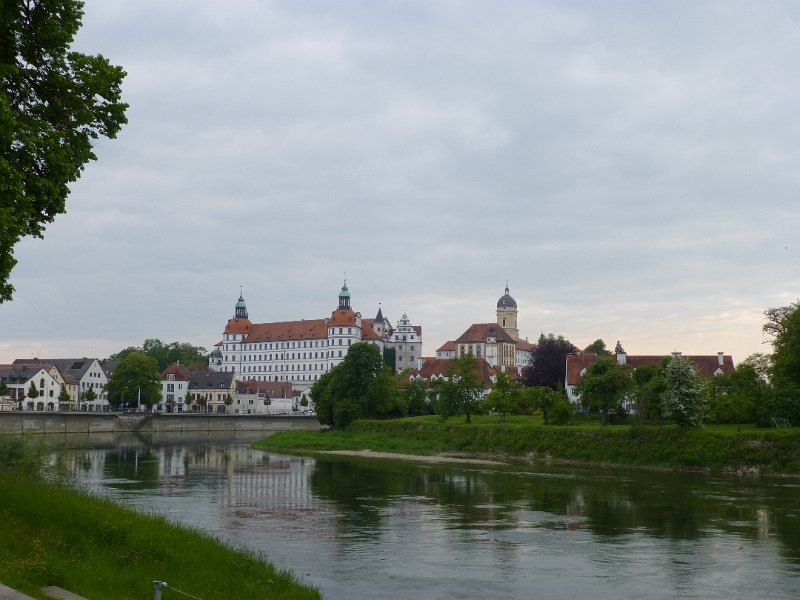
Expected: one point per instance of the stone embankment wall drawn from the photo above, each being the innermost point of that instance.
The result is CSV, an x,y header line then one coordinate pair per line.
x,y
20,422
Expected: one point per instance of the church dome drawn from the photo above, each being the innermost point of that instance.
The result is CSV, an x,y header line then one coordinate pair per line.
x,y
506,301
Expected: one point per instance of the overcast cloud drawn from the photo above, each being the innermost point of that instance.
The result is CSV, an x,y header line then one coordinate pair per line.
x,y
630,168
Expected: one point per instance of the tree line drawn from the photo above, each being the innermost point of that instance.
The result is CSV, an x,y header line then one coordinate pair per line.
x,y
764,389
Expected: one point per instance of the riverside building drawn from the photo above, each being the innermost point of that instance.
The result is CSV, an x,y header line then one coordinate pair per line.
x,y
301,351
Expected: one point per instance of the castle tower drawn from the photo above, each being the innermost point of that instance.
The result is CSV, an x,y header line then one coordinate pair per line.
x,y
344,297
241,308
507,314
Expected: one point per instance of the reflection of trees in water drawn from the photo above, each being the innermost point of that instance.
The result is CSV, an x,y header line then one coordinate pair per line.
x,y
139,467
606,503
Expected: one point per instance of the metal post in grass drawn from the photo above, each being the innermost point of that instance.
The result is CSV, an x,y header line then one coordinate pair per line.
x,y
157,587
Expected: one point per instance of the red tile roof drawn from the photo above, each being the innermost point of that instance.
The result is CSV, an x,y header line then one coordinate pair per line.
x,y
447,347
440,367
705,365
311,329
273,389
343,316
478,332
525,345
238,326
180,372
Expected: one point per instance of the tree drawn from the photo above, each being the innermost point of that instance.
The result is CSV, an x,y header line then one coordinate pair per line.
x,y
597,347
685,397
505,397
89,395
548,363
648,389
303,400
604,385
547,399
3,388
33,393
462,392
63,395
228,400
361,386
54,103
167,354
415,394
135,376
189,400
783,401
736,397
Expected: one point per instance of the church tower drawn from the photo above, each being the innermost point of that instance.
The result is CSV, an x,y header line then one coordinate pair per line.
x,y
507,314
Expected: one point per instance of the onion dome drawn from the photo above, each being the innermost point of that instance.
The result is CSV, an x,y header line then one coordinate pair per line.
x,y
506,301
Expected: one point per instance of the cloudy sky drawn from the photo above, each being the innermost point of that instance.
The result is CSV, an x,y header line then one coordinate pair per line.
x,y
630,168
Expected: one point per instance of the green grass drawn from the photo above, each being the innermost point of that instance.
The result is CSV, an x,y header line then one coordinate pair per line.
x,y
715,447
51,535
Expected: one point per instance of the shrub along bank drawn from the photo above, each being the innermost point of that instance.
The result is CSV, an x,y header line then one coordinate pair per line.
x,y
661,446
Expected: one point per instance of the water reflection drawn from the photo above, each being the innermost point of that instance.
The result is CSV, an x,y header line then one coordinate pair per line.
x,y
367,528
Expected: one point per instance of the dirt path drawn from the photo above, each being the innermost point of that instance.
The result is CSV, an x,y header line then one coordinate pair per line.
x,y
438,458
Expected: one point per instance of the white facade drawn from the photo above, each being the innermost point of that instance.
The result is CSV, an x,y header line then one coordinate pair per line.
x,y
407,345
302,351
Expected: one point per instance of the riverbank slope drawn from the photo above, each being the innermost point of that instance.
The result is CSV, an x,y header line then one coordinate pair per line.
x,y
713,448
52,535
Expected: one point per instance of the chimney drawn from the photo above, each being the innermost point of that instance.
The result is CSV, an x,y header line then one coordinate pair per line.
x,y
721,358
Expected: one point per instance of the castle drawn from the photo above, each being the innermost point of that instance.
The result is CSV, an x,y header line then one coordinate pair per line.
x,y
301,351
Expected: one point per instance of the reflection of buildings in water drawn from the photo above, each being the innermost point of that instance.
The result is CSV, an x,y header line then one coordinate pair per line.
x,y
762,524
271,483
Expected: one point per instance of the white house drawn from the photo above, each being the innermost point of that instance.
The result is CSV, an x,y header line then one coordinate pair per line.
x,y
20,377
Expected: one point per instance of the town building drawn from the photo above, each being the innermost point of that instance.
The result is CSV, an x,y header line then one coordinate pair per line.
x,y
174,385
577,364
300,352
498,343
266,398
20,377
210,391
78,375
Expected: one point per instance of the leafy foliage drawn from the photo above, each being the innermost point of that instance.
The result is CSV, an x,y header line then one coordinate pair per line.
x,y
506,397
415,396
736,397
649,386
785,327
89,395
597,347
462,392
135,376
167,354
63,395
54,104
547,365
361,386
33,393
604,386
550,401
685,397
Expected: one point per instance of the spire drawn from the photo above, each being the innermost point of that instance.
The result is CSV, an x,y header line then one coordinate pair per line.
x,y
344,296
241,307
379,317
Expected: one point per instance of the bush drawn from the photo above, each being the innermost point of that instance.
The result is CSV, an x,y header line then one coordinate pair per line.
x,y
25,455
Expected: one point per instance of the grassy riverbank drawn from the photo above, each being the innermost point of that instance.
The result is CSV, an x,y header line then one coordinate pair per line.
x,y
717,448
51,535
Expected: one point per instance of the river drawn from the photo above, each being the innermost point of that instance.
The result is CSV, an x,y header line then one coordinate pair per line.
x,y
362,528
